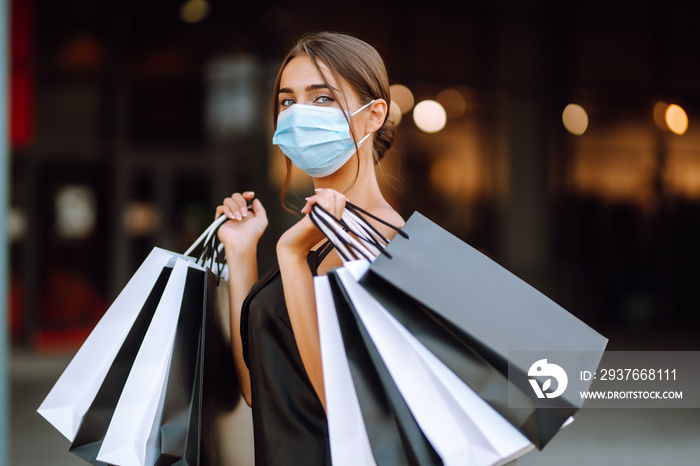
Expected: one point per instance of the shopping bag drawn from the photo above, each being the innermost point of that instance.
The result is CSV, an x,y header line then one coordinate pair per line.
x,y
458,355
470,312
463,429
88,439
349,442
179,426
132,435
221,409
394,434
488,307
71,396
106,380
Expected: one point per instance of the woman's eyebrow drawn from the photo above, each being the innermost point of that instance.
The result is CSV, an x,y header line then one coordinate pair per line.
x,y
314,87
309,88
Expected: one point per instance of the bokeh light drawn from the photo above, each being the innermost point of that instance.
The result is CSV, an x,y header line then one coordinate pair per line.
x,y
141,218
75,211
194,11
575,119
676,119
429,116
16,224
395,113
402,96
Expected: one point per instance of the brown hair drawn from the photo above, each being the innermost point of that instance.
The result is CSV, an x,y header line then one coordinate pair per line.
x,y
354,61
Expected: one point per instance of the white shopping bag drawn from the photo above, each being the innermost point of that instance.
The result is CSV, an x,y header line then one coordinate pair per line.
x,y
462,428
132,426
71,396
349,443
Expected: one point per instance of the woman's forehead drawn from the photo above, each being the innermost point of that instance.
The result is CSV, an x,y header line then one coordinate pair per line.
x,y
301,72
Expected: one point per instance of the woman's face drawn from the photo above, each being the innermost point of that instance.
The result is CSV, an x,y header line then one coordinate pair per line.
x,y
302,83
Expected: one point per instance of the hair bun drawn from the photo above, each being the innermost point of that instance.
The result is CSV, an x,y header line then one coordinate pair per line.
x,y
383,139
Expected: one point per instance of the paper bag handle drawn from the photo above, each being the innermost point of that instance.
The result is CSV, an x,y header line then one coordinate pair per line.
x,y
367,241
208,232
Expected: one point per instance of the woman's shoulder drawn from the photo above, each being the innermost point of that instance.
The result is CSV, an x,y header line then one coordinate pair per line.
x,y
388,214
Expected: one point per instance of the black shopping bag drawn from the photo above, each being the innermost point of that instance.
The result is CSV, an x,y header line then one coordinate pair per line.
x,y
393,432
181,416
86,401
134,433
75,391
91,432
486,310
454,419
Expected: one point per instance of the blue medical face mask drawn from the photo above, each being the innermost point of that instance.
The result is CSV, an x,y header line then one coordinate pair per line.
x,y
316,139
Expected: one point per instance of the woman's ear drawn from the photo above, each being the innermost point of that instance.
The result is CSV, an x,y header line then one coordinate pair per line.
x,y
377,114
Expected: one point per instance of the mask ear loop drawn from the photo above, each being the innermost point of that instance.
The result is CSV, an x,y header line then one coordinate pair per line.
x,y
362,108
359,143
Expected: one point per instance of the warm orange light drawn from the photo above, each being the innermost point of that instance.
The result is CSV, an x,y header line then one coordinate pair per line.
x,y
402,96
676,119
84,53
446,176
429,116
660,114
141,218
194,11
618,164
453,102
682,175
575,119
395,113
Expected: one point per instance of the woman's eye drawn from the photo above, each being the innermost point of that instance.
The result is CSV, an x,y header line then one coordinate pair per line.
x,y
287,102
324,99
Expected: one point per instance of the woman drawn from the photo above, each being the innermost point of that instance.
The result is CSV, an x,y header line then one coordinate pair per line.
x,y
331,107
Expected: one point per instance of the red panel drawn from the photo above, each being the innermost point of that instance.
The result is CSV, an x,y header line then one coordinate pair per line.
x,y
21,73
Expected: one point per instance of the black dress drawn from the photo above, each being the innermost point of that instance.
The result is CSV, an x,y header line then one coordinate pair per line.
x,y
289,423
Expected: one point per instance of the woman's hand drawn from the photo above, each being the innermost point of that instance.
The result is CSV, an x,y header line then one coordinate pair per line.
x,y
244,228
304,235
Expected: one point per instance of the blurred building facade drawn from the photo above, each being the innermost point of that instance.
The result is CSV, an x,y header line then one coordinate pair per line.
x,y
132,120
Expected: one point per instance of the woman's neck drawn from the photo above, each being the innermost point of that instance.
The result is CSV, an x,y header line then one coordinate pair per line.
x,y
362,190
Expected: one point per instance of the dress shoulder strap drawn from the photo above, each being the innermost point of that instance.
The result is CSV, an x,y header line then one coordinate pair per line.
x,y
317,256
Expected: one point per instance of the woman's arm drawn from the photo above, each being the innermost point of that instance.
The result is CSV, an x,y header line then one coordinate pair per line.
x,y
243,273
297,279
297,283
240,236
298,286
